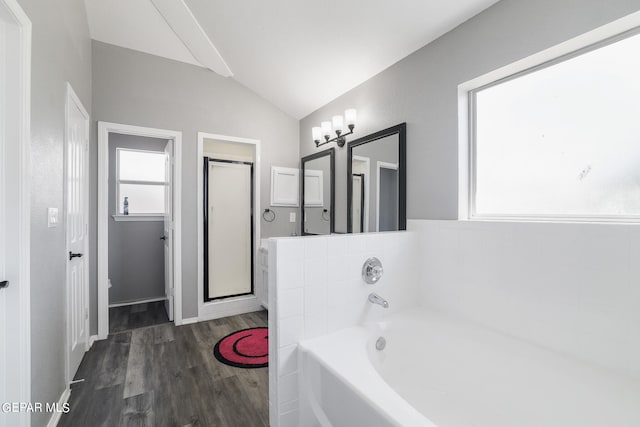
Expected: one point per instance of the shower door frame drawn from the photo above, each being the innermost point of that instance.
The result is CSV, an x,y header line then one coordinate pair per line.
x,y
205,224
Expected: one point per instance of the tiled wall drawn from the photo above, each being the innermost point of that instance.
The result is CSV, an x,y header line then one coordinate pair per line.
x,y
573,288
315,287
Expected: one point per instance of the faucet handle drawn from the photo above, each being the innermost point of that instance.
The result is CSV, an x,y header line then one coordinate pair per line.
x,y
372,270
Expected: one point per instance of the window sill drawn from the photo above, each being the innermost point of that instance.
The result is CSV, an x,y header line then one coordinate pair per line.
x,y
129,218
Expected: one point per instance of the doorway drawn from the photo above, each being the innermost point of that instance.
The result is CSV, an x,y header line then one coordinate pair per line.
x,y
139,227
236,159
228,227
77,227
15,211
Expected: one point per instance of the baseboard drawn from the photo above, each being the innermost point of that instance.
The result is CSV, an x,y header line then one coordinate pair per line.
x,y
55,417
231,308
138,301
92,339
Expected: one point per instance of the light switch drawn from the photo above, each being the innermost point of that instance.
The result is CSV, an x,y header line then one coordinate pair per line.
x,y
292,217
52,217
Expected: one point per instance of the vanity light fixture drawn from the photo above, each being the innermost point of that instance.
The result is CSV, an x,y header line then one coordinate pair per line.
x,y
335,125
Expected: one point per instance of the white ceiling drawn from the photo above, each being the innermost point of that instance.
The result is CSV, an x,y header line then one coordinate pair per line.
x,y
297,54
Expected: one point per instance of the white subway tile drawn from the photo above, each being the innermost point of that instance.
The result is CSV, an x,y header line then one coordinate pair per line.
x,y
315,272
290,274
315,326
288,388
290,331
356,244
290,302
337,246
290,249
315,247
288,360
337,268
315,300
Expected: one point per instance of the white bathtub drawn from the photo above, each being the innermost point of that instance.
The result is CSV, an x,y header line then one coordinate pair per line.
x,y
438,371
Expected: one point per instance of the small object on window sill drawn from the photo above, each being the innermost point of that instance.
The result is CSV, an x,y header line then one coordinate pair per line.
x,y
126,205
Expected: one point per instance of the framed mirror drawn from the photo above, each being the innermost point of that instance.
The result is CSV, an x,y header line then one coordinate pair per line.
x,y
377,181
318,193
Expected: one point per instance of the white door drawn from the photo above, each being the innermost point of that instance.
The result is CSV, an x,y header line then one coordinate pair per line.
x,y
77,146
168,229
229,226
14,213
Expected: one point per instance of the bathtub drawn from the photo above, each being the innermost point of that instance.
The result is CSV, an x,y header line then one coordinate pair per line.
x,y
438,371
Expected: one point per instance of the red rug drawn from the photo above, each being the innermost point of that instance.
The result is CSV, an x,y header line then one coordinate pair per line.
x,y
247,348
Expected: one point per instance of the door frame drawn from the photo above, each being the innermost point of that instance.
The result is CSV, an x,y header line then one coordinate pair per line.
x,y
20,124
104,129
229,306
72,98
382,165
206,226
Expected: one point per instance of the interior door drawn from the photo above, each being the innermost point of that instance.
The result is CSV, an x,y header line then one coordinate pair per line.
x,y
229,229
14,215
168,229
77,144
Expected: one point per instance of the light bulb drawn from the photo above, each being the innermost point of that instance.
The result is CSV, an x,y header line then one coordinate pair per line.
x,y
350,116
316,132
338,125
326,129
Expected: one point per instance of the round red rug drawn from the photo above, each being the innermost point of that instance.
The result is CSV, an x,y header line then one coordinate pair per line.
x,y
247,348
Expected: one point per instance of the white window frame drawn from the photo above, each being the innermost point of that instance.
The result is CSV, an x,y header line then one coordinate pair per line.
x,y
598,38
118,216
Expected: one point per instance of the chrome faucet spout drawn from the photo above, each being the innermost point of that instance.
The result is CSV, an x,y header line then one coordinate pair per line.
x,y
377,299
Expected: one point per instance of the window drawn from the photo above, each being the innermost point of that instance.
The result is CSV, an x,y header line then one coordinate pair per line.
x,y
561,140
141,178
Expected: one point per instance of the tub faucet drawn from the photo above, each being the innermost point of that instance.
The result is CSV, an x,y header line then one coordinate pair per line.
x,y
377,299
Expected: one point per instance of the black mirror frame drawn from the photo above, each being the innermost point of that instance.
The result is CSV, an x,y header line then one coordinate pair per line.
x,y
331,152
401,130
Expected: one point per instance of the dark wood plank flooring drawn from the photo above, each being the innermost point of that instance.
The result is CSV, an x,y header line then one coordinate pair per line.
x,y
129,317
165,375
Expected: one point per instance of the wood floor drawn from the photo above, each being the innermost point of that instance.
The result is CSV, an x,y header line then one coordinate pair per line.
x,y
167,376
128,317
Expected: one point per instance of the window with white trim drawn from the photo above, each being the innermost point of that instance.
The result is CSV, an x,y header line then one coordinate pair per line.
x,y
141,178
561,140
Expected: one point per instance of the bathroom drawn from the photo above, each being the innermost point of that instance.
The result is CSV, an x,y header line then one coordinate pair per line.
x,y
412,213
493,309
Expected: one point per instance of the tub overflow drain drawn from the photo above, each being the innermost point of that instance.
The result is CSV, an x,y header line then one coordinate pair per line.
x,y
381,343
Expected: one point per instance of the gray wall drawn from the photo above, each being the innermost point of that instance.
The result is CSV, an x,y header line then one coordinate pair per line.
x,y
61,52
422,90
136,253
139,89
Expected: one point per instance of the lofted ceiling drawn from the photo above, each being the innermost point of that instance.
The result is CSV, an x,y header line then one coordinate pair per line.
x,y
297,54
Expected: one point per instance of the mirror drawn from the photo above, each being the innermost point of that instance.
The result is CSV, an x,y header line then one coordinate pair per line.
x,y
318,193
376,181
